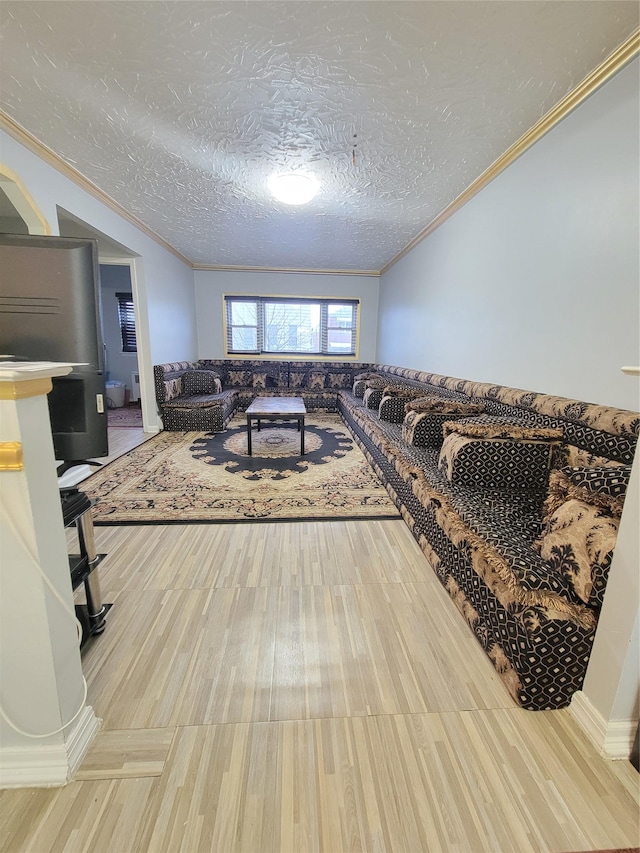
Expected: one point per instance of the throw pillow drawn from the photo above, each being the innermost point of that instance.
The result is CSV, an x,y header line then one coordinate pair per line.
x,y
377,382
578,543
497,427
577,457
496,463
443,405
403,391
359,387
201,382
259,380
316,381
297,379
338,380
240,378
424,429
391,408
601,486
282,379
172,388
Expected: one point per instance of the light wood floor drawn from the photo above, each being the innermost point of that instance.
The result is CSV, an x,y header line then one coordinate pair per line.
x,y
308,687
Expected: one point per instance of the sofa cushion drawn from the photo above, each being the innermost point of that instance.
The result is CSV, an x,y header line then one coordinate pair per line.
x,y
578,543
201,382
237,378
359,387
172,388
406,392
377,382
338,380
496,463
442,405
424,429
486,426
601,486
259,380
392,404
196,401
316,380
372,397
297,378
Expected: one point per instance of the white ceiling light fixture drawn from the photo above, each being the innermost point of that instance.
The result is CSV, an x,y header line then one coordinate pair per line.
x,y
293,187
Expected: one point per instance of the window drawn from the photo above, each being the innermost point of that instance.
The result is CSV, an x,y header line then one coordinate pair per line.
x,y
127,319
273,325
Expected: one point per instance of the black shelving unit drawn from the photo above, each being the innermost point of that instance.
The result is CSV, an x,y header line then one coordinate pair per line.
x,y
83,566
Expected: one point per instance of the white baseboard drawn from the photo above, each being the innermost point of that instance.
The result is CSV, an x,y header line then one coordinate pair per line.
x,y
79,737
612,738
38,765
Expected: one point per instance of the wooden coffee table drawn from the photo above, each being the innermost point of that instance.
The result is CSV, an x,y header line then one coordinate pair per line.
x,y
276,409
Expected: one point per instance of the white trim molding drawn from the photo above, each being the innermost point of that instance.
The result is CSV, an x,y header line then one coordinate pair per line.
x,y
79,739
36,765
612,738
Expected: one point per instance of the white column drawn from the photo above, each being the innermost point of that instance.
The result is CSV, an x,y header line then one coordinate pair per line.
x,y
41,682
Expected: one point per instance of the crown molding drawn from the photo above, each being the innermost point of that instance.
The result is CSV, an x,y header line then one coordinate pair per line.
x,y
627,51
21,135
223,268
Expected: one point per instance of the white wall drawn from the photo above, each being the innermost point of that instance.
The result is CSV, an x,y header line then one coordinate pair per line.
x,y
211,285
163,284
534,283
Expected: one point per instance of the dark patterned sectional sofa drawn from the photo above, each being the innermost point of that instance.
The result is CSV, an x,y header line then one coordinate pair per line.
x,y
513,496
188,401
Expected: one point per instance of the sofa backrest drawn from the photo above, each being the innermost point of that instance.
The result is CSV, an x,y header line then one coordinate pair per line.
x,y
597,433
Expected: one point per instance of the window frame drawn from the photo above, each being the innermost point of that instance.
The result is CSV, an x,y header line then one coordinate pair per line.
x,y
262,302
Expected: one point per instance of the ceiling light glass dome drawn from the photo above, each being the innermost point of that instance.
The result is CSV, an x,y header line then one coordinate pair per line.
x,y
293,188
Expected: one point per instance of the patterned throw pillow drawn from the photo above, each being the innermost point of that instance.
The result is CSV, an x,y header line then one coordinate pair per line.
x,y
359,387
282,380
259,380
316,380
496,463
391,408
338,380
576,457
377,382
443,405
601,486
201,382
424,429
372,398
578,543
172,388
487,426
297,379
240,378
403,391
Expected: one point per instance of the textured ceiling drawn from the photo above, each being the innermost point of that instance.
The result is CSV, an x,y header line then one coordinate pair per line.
x,y
180,111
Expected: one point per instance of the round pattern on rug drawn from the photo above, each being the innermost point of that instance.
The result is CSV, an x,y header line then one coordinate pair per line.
x,y
275,450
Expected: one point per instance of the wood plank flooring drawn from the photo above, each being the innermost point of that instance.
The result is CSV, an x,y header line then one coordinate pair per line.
x,y
308,687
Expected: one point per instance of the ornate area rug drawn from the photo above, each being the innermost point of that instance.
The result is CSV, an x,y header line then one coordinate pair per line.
x,y
126,417
188,477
